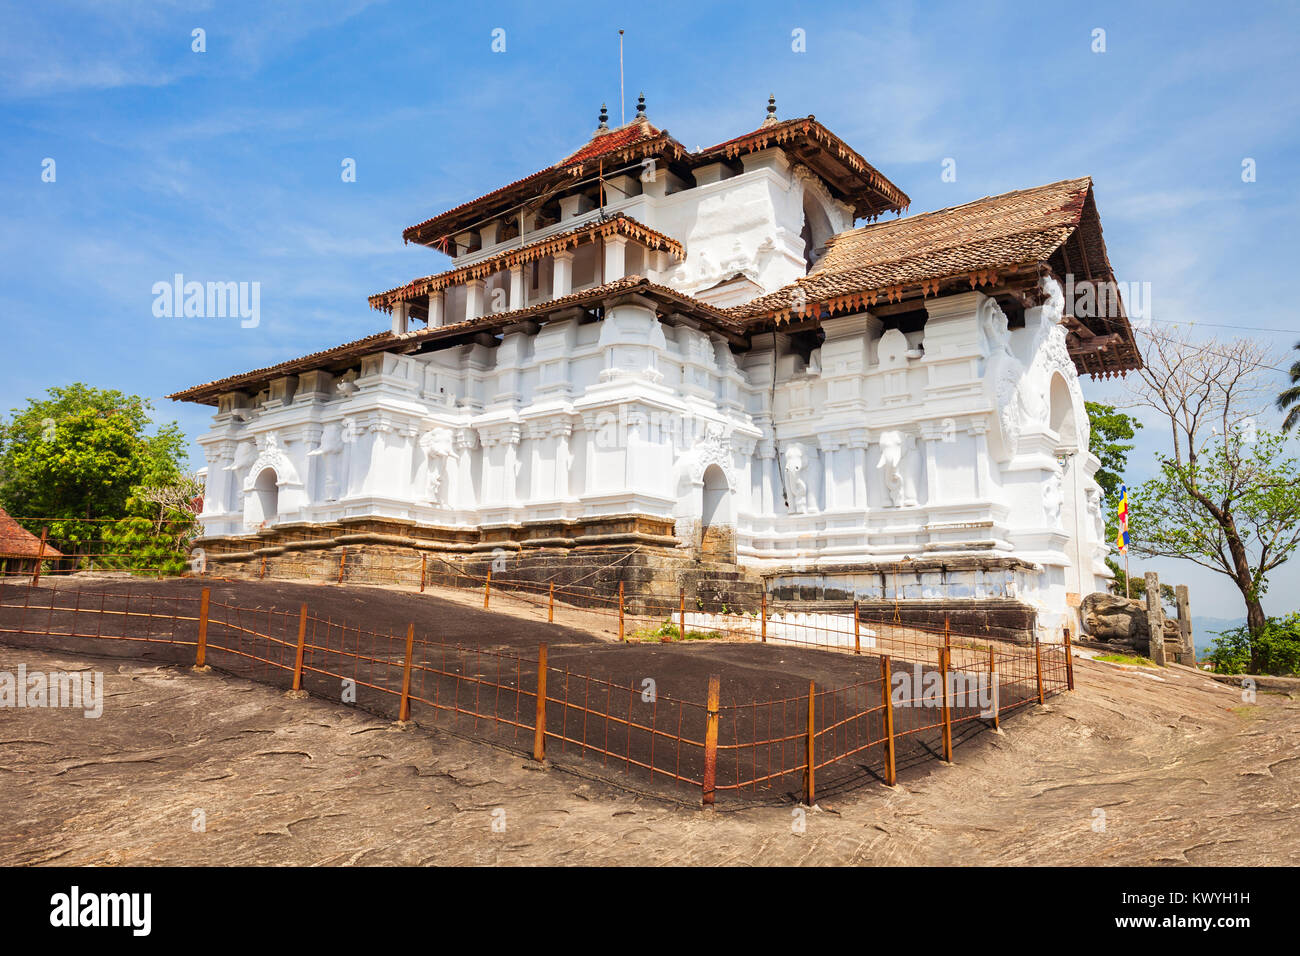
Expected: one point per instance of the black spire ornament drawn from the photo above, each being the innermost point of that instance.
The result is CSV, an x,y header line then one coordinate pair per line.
x,y
771,110
604,117
640,106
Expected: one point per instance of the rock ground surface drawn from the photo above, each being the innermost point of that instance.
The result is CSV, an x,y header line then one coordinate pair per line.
x,y
1180,770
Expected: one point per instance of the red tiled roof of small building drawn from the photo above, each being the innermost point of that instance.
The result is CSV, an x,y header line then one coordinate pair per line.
x,y
17,542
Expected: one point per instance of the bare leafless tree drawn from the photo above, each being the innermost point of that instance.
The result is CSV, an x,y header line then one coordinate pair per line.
x,y
1224,499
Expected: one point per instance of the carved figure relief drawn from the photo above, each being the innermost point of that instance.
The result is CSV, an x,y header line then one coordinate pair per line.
x,y
438,445
796,488
896,451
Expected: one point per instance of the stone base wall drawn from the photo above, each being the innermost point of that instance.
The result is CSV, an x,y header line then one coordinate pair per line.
x,y
587,571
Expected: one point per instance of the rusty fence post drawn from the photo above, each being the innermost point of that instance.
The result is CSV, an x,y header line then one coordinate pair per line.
x,y
302,645
550,605
993,688
40,557
681,617
711,742
424,564
945,663
404,711
810,772
1069,662
620,611
1038,666
763,615
857,630
343,560
487,589
539,731
891,773
201,652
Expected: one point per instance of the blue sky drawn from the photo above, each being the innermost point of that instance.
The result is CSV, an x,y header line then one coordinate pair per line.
x,y
225,165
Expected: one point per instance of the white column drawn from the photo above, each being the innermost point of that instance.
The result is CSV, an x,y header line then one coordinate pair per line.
x,y
562,284
516,288
436,304
615,257
401,310
474,299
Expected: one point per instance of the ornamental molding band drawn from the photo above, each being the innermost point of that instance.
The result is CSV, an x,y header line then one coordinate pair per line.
x,y
587,361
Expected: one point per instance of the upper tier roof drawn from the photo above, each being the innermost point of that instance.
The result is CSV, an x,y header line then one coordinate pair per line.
x,y
982,243
850,178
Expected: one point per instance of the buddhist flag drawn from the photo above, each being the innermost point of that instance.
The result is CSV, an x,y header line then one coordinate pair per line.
x,y
1121,540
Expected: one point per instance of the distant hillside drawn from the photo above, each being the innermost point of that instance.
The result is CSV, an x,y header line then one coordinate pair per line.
x,y
1205,629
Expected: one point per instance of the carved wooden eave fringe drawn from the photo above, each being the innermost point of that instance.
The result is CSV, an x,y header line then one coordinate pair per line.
x,y
618,225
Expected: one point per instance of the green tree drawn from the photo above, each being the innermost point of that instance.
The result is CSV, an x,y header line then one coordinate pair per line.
x,y
1226,497
1290,397
1108,439
1275,650
1109,430
1234,509
74,459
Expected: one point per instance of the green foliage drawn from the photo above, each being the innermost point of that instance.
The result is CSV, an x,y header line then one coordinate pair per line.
x,y
1109,430
1290,397
1275,650
1137,585
1130,659
84,456
1245,484
670,630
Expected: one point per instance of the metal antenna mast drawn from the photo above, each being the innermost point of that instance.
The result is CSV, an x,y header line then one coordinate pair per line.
x,y
622,113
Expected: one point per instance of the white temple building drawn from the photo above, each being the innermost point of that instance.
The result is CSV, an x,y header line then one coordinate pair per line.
x,y
698,360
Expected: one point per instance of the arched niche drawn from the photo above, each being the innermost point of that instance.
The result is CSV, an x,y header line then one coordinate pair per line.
x,y
717,523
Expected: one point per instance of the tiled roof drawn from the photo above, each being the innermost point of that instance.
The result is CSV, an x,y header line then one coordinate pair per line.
x,y
411,341
839,164
18,542
616,224
998,232
636,139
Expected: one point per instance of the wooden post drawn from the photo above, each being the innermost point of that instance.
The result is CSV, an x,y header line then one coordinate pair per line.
x,y
809,788
424,564
1038,666
40,557
550,606
620,611
681,617
944,664
302,644
857,630
343,560
1188,655
1155,620
404,711
1069,661
763,615
487,589
891,773
993,688
201,653
539,732
711,742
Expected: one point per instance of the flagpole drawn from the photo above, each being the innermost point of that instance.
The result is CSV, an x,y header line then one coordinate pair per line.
x,y
1128,587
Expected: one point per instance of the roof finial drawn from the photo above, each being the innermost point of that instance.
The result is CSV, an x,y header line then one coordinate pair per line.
x,y
604,117
640,106
771,110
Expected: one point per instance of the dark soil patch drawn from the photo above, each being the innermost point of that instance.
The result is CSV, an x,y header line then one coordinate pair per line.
x,y
632,714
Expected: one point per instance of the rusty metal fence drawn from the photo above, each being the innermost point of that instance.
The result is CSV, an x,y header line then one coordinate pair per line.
x,y
929,690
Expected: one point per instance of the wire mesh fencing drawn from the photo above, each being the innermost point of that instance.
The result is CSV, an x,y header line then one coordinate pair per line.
x,y
924,691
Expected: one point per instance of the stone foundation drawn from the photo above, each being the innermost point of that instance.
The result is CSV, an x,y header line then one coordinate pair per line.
x,y
976,596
